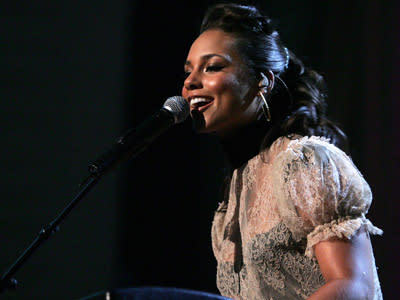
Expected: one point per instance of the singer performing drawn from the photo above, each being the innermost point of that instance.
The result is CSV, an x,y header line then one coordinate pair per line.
x,y
292,222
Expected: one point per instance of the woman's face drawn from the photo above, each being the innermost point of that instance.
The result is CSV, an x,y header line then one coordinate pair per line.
x,y
219,87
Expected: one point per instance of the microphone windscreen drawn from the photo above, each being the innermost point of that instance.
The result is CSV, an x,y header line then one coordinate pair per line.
x,y
179,108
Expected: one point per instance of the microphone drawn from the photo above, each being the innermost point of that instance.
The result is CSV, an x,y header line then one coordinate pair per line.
x,y
136,140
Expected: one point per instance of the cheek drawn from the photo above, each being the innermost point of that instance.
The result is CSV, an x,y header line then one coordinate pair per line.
x,y
184,93
225,85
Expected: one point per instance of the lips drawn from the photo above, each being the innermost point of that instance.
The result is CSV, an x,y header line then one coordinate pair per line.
x,y
200,103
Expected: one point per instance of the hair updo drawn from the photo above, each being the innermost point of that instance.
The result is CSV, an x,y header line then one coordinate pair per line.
x,y
298,99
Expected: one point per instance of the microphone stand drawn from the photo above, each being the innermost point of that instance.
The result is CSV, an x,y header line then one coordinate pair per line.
x,y
131,144
126,147
7,281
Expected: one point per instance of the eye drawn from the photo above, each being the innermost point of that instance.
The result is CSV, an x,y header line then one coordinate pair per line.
x,y
214,68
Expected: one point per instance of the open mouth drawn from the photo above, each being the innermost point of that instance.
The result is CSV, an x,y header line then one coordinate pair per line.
x,y
200,104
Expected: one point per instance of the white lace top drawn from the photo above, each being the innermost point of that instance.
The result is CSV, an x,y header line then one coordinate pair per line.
x,y
281,203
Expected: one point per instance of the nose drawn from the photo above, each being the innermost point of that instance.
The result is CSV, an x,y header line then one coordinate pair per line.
x,y
193,81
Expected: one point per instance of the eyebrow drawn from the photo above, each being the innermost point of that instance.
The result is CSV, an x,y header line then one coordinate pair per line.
x,y
208,56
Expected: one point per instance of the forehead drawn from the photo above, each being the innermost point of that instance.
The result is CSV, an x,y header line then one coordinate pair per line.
x,y
213,41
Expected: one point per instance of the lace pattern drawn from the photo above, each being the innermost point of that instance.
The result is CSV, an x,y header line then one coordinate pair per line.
x,y
343,228
282,203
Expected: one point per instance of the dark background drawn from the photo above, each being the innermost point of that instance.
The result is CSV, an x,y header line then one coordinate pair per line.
x,y
76,74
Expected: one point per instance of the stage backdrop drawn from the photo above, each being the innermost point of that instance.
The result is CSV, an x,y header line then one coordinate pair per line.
x,y
62,94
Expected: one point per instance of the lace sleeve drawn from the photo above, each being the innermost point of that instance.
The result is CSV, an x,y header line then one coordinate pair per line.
x,y
320,193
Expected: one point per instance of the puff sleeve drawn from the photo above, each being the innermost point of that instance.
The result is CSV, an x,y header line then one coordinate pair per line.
x,y
320,193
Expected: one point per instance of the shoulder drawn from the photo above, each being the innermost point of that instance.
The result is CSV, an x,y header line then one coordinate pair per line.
x,y
313,168
317,183
301,146
313,162
310,151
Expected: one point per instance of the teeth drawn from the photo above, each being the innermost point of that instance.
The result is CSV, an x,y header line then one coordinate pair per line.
x,y
199,100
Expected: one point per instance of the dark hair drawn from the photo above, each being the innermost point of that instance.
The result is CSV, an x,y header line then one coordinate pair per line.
x,y
298,100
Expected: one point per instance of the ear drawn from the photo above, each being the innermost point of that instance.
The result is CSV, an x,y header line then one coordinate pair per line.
x,y
267,81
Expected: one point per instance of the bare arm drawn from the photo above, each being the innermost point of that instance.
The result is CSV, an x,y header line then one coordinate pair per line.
x,y
347,268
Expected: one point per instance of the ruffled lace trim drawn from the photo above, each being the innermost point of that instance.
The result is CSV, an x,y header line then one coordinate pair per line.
x,y
314,138
341,228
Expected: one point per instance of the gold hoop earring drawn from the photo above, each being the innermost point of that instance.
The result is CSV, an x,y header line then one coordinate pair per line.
x,y
265,108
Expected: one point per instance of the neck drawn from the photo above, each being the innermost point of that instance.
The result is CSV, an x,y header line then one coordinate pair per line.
x,y
244,143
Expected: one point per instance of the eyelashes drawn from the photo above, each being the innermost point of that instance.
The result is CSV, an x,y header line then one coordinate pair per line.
x,y
214,68
210,68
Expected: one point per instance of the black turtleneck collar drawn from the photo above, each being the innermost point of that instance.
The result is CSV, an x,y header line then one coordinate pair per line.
x,y
244,144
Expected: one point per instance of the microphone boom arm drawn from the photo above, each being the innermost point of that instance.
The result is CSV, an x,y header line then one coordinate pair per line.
x,y
135,141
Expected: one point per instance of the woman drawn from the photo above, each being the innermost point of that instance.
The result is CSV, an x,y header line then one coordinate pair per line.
x,y
292,224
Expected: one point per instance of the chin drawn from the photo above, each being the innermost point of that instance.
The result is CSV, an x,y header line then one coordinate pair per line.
x,y
201,129
198,122
202,124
